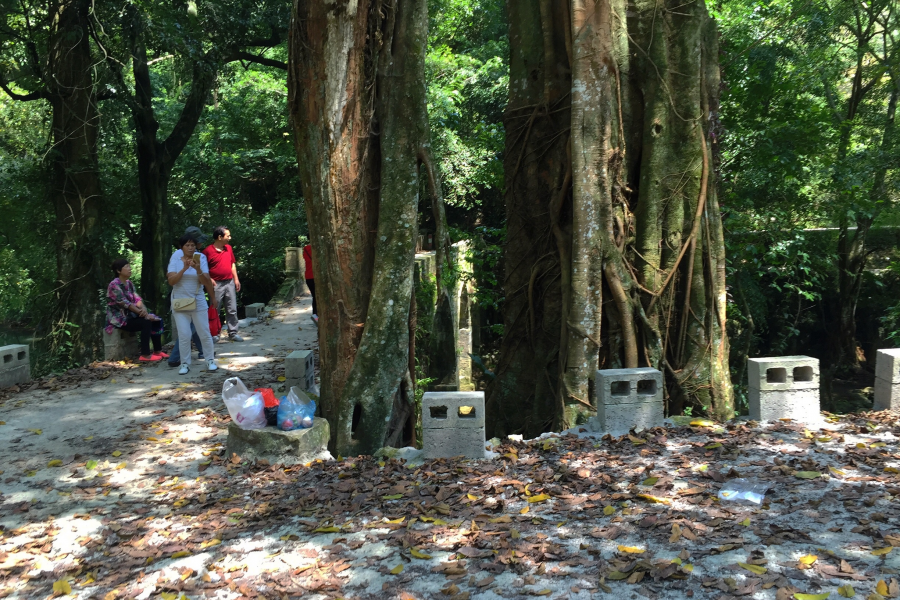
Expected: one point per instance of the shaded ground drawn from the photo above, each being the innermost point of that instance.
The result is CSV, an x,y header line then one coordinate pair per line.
x,y
161,514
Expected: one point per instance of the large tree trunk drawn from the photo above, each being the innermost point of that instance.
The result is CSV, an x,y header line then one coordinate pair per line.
x,y
614,254
82,267
357,98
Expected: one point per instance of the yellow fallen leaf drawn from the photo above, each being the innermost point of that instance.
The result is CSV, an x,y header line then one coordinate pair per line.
x,y
515,534
502,519
703,423
210,543
846,591
538,498
882,551
397,570
688,568
617,575
877,445
891,470
753,568
168,596
55,463
701,468
117,453
654,499
808,559
36,431
392,497
326,530
631,550
88,438
417,554
543,592
282,378
636,440
807,474
2,422
609,510
711,446
472,497
799,596
396,521
524,511
746,522
121,465
837,472
181,554
650,481
62,587
882,588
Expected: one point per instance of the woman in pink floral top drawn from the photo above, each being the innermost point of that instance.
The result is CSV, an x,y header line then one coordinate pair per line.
x,y
125,310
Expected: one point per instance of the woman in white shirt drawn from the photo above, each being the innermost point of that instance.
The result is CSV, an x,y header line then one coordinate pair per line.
x,y
187,271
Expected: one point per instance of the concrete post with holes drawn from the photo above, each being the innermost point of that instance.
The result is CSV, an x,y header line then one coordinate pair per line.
x,y
887,380
15,367
453,424
784,387
254,310
628,399
299,370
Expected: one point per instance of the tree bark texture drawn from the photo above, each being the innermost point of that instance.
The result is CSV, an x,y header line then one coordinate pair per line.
x,y
82,267
357,103
614,254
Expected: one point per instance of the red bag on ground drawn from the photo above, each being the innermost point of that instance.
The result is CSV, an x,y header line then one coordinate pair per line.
x,y
215,323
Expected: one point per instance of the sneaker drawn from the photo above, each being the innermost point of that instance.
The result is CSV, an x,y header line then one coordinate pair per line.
x,y
234,337
161,354
211,365
184,369
315,319
153,358
215,339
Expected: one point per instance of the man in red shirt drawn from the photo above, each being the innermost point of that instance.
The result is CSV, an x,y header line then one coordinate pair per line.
x,y
223,270
310,279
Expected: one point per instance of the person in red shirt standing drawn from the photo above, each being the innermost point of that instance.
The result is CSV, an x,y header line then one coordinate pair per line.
x,y
223,270
310,279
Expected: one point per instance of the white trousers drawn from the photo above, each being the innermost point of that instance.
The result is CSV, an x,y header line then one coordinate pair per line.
x,y
183,321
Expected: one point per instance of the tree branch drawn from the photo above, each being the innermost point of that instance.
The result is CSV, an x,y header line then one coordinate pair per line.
x,y
260,60
41,94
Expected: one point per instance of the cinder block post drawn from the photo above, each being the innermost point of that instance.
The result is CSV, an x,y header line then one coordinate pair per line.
x,y
254,310
887,380
120,344
784,387
15,367
299,370
453,424
628,398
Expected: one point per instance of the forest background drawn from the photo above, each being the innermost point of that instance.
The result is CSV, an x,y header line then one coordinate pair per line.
x,y
196,131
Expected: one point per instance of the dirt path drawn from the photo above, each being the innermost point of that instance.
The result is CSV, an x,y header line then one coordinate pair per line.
x,y
114,486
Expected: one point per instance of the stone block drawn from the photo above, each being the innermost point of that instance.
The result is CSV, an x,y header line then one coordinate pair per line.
x,y
453,424
299,446
447,410
293,262
620,418
299,370
628,386
887,393
120,344
783,373
768,405
887,365
257,309
15,367
447,443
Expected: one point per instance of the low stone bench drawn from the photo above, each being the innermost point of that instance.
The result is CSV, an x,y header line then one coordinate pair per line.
x,y
453,424
299,446
887,380
120,344
15,367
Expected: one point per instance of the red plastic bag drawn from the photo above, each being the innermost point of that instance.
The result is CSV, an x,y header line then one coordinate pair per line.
x,y
215,324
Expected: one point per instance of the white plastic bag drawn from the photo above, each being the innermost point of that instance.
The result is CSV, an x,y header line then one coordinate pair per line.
x,y
245,407
744,491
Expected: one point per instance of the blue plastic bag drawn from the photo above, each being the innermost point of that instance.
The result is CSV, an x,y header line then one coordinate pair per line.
x,y
296,411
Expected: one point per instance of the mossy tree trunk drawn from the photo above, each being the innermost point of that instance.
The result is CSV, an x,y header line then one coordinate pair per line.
x,y
614,255
357,103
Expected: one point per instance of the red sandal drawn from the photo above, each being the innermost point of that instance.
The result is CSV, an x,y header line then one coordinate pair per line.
x,y
153,358
161,354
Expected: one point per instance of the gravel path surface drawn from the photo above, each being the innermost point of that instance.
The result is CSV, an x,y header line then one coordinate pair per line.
x,y
114,484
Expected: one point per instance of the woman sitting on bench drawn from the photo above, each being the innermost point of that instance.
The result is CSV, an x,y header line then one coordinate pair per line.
x,y
125,310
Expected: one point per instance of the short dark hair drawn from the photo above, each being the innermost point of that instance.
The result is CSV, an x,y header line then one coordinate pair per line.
x,y
185,239
219,232
118,265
